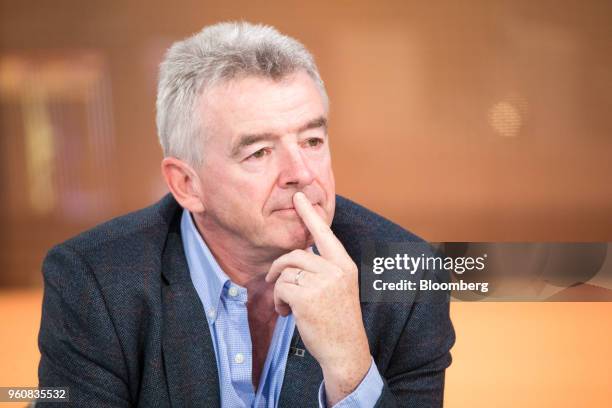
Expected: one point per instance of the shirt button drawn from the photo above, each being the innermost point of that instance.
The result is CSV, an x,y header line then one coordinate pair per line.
x,y
233,291
212,313
239,358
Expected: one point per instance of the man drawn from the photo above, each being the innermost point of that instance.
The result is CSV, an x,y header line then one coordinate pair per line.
x,y
233,290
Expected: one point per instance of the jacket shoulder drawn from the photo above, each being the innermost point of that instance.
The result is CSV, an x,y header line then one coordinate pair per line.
x,y
147,226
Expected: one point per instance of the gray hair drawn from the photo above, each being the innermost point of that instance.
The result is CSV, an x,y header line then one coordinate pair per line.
x,y
218,53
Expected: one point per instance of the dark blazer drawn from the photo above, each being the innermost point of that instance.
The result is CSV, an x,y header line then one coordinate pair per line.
x,y
122,324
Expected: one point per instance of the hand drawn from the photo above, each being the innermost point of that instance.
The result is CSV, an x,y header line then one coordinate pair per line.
x,y
325,303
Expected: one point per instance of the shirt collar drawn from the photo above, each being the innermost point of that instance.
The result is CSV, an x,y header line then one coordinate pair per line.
x,y
207,276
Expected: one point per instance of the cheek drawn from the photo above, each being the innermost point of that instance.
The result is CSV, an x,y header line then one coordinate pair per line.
x,y
325,176
332,180
232,190
249,194
222,189
325,180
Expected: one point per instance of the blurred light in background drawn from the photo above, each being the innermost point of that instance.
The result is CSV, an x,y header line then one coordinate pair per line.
x,y
506,116
60,140
63,100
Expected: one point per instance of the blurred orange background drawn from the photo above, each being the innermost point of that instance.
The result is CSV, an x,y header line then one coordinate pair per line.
x,y
462,121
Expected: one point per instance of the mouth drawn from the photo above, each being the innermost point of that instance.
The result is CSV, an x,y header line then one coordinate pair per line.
x,y
291,212
286,214
286,210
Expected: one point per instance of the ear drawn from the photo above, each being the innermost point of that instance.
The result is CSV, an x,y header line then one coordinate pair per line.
x,y
184,183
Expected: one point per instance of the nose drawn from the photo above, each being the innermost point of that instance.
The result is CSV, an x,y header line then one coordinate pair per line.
x,y
294,170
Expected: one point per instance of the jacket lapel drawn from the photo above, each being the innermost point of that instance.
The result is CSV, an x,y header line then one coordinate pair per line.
x,y
303,377
188,352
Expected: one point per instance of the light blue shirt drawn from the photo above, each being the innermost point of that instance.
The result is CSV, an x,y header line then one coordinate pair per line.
x,y
225,306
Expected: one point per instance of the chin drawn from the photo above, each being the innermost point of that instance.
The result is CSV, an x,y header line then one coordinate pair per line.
x,y
299,239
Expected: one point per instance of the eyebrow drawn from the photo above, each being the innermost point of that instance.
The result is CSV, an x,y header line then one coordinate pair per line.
x,y
320,122
249,139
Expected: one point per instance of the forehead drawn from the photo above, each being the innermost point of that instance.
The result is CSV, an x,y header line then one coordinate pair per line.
x,y
258,104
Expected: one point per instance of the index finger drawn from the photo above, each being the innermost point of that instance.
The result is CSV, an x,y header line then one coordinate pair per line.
x,y
328,245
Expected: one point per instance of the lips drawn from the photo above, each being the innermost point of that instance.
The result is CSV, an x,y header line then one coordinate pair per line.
x,y
293,208
285,204
291,212
286,213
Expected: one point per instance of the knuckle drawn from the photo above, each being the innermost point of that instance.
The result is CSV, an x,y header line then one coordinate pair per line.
x,y
337,271
350,267
276,262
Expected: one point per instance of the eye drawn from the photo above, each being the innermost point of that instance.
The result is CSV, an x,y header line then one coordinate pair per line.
x,y
314,142
259,153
